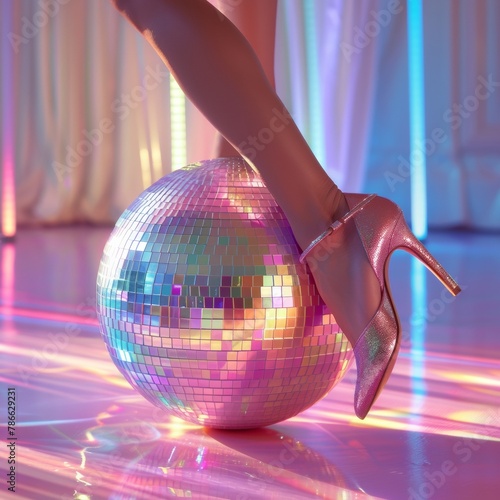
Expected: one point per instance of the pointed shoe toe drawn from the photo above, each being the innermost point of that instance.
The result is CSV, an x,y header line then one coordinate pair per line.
x,y
375,353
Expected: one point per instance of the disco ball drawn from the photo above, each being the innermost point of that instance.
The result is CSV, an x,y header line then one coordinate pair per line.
x,y
205,308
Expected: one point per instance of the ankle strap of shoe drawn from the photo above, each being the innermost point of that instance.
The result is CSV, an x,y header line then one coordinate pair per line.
x,y
335,225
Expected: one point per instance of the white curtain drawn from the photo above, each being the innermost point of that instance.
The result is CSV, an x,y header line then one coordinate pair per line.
x,y
91,110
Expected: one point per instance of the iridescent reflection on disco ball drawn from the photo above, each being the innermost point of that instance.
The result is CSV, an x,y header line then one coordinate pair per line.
x,y
204,307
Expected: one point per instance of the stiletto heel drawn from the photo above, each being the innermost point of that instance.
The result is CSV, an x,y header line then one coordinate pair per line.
x,y
382,230
406,240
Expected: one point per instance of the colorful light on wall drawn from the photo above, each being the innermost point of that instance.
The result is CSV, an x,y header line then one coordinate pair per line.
x,y
177,125
315,128
7,286
7,174
417,117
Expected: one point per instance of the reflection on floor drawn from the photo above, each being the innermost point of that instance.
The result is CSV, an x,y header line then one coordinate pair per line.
x,y
83,433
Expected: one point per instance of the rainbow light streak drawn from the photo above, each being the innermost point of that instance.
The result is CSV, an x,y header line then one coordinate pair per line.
x,y
417,118
314,85
177,125
40,315
295,47
417,364
7,174
417,332
145,167
8,253
156,158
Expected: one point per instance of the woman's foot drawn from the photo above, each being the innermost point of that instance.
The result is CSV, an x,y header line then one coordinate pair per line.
x,y
356,251
343,274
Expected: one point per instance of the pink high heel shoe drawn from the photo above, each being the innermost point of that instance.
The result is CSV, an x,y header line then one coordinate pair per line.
x,y
382,229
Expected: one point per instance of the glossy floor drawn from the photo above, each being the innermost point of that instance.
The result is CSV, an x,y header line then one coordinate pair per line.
x,y
83,433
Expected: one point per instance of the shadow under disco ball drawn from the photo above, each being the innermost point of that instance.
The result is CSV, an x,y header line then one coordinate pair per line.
x,y
205,308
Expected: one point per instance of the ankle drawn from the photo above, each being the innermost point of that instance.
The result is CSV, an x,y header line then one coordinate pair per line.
x,y
337,203
319,214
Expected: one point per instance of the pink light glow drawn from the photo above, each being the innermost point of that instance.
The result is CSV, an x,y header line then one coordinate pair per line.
x,y
21,312
8,253
8,195
7,183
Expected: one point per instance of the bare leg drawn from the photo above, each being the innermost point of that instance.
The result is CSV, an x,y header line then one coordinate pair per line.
x,y
256,20
222,76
